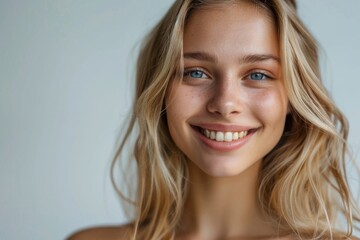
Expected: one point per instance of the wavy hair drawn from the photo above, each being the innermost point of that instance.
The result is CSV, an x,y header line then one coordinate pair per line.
x,y
302,183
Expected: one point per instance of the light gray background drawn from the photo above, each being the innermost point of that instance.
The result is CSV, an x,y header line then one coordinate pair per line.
x,y
66,72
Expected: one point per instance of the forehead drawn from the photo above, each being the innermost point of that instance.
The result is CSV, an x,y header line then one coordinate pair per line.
x,y
242,26
234,12
224,4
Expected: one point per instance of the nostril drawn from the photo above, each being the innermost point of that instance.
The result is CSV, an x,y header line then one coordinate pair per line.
x,y
224,106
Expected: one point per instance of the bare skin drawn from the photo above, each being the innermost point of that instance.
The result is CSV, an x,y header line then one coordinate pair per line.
x,y
102,233
222,203
223,95
122,233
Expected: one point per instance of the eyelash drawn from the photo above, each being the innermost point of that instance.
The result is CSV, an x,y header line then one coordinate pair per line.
x,y
187,73
264,76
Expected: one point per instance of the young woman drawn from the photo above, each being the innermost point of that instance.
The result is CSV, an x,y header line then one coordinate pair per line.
x,y
237,137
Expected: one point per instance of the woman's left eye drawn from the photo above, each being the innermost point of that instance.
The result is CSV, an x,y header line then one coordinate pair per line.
x,y
258,76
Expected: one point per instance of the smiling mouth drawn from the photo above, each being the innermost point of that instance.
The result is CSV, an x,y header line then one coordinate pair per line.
x,y
227,136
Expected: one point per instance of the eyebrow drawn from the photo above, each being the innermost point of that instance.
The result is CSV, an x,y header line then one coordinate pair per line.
x,y
249,58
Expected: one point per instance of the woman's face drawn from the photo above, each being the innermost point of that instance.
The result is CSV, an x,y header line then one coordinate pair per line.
x,y
229,111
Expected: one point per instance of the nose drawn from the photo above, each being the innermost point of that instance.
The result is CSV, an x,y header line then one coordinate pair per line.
x,y
226,99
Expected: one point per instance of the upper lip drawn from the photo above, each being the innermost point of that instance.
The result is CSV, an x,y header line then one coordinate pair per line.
x,y
224,127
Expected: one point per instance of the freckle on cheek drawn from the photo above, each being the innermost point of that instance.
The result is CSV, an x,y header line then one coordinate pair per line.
x,y
267,103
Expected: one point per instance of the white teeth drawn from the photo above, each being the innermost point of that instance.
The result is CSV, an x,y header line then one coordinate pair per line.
x,y
236,136
228,137
224,136
207,133
219,136
212,135
243,134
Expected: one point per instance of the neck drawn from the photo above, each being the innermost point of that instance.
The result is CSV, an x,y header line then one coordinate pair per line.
x,y
221,207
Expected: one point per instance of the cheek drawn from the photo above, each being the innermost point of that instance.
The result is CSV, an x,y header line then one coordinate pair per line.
x,y
269,105
175,102
181,104
183,101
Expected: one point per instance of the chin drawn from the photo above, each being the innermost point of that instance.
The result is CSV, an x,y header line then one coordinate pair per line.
x,y
228,170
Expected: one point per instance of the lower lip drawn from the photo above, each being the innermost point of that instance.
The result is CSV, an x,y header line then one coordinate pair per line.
x,y
224,146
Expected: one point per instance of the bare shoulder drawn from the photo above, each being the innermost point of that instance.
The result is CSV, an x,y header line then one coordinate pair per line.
x,y
103,233
296,238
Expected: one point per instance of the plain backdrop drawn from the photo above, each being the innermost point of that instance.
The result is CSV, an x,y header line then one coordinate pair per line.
x,y
66,81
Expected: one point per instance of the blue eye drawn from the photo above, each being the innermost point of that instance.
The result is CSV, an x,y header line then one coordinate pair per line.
x,y
195,74
257,76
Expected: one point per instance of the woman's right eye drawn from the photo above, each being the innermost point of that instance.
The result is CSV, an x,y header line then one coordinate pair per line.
x,y
195,74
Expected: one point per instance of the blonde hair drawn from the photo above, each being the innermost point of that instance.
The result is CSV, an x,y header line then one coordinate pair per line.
x,y
302,183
